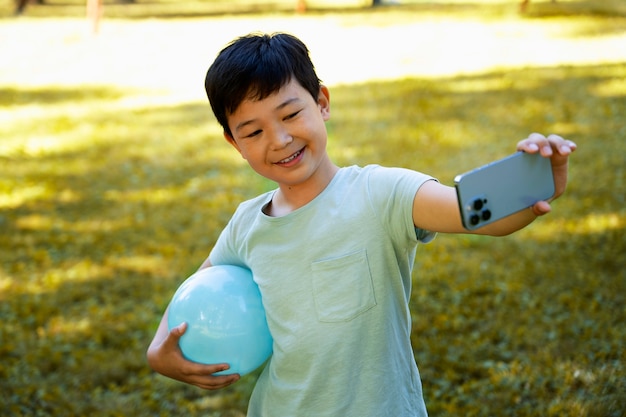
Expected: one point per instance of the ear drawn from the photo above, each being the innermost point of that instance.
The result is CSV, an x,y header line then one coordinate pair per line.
x,y
323,101
232,141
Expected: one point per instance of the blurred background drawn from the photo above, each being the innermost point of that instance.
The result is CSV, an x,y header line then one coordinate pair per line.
x,y
115,181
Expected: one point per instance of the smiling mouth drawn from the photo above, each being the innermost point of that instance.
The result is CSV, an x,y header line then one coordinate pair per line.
x,y
291,158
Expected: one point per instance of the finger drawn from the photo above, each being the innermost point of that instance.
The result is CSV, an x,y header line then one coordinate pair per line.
x,y
218,382
175,334
204,376
545,146
202,371
179,330
535,142
555,138
540,208
563,146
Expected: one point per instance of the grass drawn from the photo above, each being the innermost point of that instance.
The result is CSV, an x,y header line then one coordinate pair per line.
x,y
112,193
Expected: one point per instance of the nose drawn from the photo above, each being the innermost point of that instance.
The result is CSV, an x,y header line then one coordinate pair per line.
x,y
280,138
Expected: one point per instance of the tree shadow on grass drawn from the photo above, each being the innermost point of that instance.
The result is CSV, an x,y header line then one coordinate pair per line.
x,y
89,265
607,8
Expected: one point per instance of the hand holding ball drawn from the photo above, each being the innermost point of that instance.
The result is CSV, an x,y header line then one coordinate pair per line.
x,y
225,319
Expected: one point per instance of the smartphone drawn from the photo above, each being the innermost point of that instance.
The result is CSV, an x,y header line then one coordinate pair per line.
x,y
503,187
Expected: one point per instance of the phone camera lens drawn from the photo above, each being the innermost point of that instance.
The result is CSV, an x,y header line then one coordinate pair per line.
x,y
474,219
486,215
478,204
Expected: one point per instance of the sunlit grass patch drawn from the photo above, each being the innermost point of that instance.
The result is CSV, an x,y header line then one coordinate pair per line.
x,y
611,88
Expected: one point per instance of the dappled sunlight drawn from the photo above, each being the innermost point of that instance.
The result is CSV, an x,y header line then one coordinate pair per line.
x,y
144,264
50,279
93,101
61,325
566,129
21,195
42,129
115,182
5,283
490,83
610,88
39,145
599,223
37,222
579,227
151,196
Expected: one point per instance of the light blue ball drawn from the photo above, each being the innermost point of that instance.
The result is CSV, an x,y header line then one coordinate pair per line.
x,y
225,319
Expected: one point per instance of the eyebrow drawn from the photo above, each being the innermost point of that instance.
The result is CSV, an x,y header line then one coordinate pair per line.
x,y
279,107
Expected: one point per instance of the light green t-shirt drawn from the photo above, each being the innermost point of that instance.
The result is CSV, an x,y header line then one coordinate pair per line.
x,y
335,279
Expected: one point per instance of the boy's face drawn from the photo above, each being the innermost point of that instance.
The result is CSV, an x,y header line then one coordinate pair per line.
x,y
283,137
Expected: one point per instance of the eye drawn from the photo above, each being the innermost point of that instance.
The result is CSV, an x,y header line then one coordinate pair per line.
x,y
292,115
253,134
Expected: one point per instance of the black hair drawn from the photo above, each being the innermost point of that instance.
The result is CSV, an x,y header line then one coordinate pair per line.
x,y
254,67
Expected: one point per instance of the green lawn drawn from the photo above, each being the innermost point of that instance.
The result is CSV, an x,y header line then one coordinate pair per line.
x,y
111,195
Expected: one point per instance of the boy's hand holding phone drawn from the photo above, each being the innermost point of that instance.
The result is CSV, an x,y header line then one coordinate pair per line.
x,y
534,176
558,150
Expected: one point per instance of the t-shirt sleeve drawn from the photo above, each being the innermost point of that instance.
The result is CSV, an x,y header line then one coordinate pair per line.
x,y
230,245
223,252
392,191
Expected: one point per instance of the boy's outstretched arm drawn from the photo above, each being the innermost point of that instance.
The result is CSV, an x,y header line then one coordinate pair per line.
x,y
435,206
165,357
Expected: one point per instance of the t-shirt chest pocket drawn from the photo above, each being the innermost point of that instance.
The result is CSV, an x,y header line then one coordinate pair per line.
x,y
342,287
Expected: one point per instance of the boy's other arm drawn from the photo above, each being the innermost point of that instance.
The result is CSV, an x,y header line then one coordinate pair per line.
x,y
435,207
165,357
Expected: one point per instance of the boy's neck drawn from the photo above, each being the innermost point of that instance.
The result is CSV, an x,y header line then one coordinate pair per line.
x,y
289,198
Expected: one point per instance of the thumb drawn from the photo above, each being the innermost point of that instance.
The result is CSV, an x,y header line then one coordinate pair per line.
x,y
176,333
540,208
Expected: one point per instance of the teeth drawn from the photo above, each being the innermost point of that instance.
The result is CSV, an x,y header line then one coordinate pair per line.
x,y
291,158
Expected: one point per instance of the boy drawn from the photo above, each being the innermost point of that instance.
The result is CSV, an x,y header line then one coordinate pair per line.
x,y
331,249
